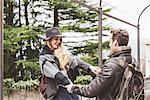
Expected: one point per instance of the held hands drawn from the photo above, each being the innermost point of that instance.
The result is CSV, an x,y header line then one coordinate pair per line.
x,y
95,70
68,87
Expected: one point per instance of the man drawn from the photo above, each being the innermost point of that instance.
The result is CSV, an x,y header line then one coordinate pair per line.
x,y
106,85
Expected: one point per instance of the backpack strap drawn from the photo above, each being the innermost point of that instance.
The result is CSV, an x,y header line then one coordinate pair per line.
x,y
43,65
124,83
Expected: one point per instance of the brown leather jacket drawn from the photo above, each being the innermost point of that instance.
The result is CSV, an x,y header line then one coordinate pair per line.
x,y
106,85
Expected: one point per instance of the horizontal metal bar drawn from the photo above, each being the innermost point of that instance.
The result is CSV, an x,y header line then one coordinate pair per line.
x,y
96,10
119,19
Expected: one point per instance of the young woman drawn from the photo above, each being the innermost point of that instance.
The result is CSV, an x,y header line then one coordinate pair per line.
x,y
54,69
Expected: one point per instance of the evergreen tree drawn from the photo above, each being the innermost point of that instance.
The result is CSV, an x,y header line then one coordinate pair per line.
x,y
20,61
21,57
9,12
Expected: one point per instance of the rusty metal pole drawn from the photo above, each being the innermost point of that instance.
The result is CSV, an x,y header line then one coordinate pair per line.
x,y
1,49
138,36
100,35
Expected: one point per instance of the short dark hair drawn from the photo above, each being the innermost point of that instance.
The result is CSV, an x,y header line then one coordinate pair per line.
x,y
121,35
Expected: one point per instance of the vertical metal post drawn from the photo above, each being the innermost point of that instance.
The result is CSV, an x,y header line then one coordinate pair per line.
x,y
138,35
100,35
138,45
1,50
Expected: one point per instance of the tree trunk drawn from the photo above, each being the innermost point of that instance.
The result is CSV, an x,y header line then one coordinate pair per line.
x,y
19,13
26,12
9,63
21,69
9,15
56,20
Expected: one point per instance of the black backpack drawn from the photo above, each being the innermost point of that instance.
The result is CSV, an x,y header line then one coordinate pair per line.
x,y
132,84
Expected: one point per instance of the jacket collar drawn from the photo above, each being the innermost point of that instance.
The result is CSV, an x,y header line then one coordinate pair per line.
x,y
122,50
46,50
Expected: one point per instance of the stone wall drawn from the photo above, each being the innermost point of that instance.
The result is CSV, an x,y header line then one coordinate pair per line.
x,y
35,95
24,95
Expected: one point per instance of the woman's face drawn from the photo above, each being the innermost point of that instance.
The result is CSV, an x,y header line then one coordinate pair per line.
x,y
55,42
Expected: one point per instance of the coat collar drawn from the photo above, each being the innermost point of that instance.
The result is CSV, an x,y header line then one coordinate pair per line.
x,y
121,51
46,50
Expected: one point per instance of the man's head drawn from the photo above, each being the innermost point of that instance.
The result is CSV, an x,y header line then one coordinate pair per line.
x,y
118,37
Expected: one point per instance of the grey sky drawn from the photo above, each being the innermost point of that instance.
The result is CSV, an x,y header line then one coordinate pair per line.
x,y
129,10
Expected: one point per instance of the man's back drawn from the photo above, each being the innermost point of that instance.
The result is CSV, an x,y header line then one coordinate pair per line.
x,y
106,85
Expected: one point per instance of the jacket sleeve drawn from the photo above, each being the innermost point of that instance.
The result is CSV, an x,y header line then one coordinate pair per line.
x,y
83,65
51,70
97,86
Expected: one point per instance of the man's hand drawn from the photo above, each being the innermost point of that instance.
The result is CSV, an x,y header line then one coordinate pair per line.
x,y
68,87
95,70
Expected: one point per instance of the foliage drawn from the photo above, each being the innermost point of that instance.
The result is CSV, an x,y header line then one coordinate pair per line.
x,y
89,48
22,43
105,45
29,65
21,49
83,79
10,85
14,35
30,85
91,60
33,62
89,52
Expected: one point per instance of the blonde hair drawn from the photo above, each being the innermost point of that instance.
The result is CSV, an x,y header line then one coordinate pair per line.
x,y
48,44
64,57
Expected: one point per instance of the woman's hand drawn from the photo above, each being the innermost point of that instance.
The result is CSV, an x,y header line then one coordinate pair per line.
x,y
69,87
